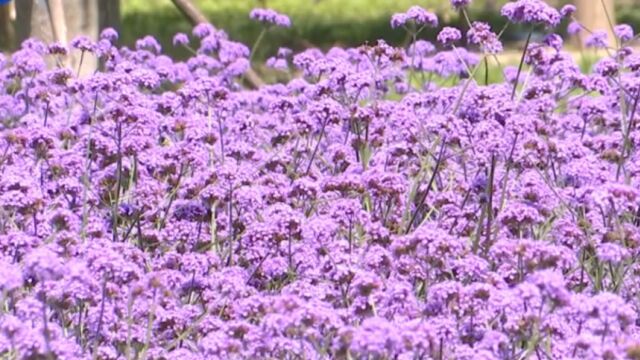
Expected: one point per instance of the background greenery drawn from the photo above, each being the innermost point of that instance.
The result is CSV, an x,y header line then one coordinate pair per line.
x,y
316,23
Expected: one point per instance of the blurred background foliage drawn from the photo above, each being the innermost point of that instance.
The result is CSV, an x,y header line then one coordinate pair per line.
x,y
321,23
316,23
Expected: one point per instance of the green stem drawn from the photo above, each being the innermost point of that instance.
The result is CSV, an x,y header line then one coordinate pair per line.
x,y
486,72
492,171
465,87
116,204
611,27
256,44
129,324
152,314
80,64
213,228
524,53
426,193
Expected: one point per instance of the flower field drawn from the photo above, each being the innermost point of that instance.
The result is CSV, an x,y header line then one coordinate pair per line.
x,y
378,203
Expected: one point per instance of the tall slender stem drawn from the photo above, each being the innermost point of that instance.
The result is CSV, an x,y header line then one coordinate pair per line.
x,y
486,71
100,318
492,171
426,193
524,53
256,44
315,149
80,64
116,204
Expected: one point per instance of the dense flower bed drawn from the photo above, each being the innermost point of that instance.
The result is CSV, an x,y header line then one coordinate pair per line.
x,y
367,208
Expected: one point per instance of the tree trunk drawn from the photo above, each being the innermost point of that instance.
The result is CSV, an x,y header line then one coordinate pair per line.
x,y
71,18
109,11
592,15
7,33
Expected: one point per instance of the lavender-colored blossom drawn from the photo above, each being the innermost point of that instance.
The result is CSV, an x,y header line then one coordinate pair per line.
x,y
623,32
449,35
481,34
417,15
613,253
597,39
109,34
574,28
554,40
82,43
531,12
567,10
149,43
203,30
458,4
270,17
180,39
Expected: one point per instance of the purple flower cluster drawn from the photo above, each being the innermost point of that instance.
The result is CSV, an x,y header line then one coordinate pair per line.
x,y
416,15
459,4
449,35
160,209
480,34
532,12
270,17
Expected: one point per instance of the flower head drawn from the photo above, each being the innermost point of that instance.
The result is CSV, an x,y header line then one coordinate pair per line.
x,y
458,4
574,28
449,35
109,34
419,16
82,43
270,17
598,39
481,34
180,39
531,12
567,10
623,32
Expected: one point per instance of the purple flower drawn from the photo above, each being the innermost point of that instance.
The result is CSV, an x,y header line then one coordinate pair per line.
x,y
449,35
458,4
481,34
82,43
190,211
574,28
554,40
531,12
422,17
419,16
597,39
613,253
149,43
109,34
398,20
421,48
624,32
270,17
606,67
180,39
203,30
277,63
11,277
567,10
57,49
